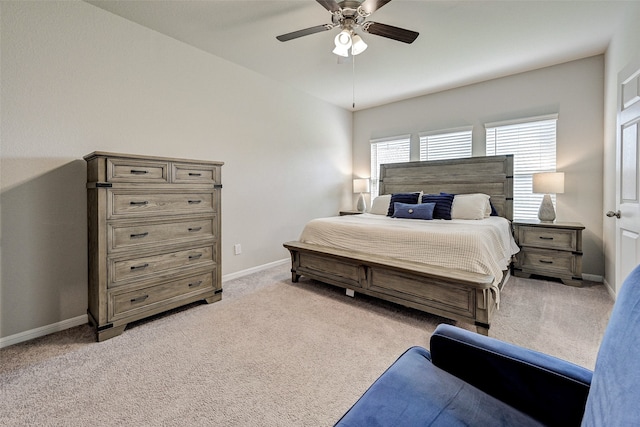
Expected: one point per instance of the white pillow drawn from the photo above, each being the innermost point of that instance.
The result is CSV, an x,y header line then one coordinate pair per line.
x,y
380,205
470,206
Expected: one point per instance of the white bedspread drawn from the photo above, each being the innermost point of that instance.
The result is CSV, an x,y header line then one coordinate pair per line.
x,y
479,246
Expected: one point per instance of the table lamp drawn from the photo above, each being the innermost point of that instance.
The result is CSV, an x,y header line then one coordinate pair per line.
x,y
547,183
361,185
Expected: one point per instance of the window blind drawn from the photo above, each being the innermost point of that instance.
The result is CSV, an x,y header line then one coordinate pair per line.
x,y
388,150
533,144
445,145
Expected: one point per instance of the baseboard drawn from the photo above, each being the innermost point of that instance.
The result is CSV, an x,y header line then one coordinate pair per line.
x,y
43,330
252,270
81,320
610,289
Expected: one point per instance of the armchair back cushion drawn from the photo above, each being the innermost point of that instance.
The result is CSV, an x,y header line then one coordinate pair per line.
x,y
551,390
613,399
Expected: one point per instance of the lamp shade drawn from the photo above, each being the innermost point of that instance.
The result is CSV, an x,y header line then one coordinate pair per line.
x,y
341,51
548,182
358,45
343,43
343,39
361,185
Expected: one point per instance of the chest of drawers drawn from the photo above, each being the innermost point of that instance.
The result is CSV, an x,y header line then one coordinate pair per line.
x,y
549,249
154,236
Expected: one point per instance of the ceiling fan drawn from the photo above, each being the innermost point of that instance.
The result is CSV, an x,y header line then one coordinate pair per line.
x,y
350,15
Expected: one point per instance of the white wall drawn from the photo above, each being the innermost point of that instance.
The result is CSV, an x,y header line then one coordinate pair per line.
x,y
574,90
76,79
623,49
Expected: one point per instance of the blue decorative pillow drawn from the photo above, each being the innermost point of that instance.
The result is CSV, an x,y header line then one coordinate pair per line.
x,y
413,211
494,212
411,198
443,203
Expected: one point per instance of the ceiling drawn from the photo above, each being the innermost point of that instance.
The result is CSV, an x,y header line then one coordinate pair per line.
x,y
460,42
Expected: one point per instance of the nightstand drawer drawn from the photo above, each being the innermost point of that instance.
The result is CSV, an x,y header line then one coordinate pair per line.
x,y
548,238
548,262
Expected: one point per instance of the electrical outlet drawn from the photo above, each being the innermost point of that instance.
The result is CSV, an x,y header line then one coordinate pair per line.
x,y
237,249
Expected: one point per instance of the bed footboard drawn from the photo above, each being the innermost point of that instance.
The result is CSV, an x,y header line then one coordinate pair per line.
x,y
452,294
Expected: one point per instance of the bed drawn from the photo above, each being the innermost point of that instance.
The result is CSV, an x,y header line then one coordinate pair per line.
x,y
452,284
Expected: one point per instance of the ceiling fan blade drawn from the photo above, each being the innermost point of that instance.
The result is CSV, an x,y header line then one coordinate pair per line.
x,y
370,6
390,32
305,32
330,5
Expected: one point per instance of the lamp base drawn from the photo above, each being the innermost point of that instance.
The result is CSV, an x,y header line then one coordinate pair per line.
x,y
362,205
546,213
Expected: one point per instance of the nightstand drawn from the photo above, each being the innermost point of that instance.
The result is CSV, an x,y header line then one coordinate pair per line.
x,y
343,213
549,249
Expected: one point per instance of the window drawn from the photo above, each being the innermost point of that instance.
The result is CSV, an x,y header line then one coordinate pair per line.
x,y
388,150
452,144
533,144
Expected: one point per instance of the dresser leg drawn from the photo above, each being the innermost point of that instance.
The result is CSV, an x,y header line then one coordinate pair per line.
x,y
216,297
482,329
573,282
114,331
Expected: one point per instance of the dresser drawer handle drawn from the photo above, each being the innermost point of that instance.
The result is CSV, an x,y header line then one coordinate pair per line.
x,y
194,202
544,261
139,203
546,238
194,174
138,172
139,267
196,256
195,284
139,299
192,229
139,235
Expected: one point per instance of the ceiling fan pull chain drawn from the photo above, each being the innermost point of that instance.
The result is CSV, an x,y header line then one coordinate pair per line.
x,y
353,93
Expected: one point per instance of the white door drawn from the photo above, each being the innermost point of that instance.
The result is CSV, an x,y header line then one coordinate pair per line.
x,y
628,170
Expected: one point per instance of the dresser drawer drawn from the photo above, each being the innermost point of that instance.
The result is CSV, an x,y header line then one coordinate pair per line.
x,y
548,238
138,235
127,203
548,262
130,170
188,173
126,303
122,271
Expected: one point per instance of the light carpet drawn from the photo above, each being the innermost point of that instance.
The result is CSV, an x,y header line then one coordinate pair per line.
x,y
271,353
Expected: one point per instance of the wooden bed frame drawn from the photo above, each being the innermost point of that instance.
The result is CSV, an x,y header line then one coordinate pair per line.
x,y
452,294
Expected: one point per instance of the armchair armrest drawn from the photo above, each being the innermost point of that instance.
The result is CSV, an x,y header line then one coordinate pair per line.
x,y
549,389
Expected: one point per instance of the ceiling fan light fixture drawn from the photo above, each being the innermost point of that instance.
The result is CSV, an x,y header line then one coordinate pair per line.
x,y
348,16
358,45
343,39
341,51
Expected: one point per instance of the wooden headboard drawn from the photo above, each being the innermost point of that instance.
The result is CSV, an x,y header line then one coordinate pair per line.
x,y
492,175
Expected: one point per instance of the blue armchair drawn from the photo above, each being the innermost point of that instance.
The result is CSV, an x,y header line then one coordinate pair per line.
x,y
472,380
